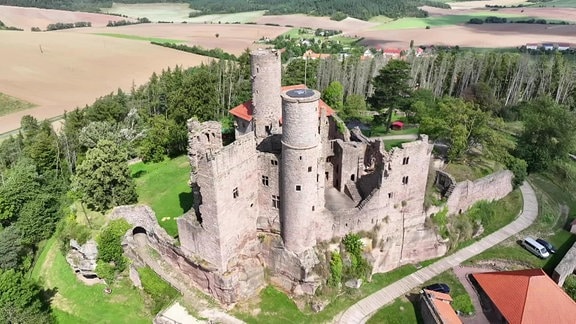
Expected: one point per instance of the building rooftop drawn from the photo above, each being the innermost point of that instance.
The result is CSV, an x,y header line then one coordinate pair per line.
x,y
245,110
527,296
442,304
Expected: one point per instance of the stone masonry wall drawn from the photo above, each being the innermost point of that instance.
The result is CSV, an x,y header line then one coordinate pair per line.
x,y
467,193
268,213
228,186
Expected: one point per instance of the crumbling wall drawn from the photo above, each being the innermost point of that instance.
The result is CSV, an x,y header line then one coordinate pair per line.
x,y
466,193
566,266
226,180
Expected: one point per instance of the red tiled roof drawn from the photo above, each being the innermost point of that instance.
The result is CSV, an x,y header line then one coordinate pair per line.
x,y
442,304
398,123
392,51
245,110
528,296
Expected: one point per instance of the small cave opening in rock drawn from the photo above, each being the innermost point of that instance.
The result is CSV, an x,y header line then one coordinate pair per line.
x,y
139,230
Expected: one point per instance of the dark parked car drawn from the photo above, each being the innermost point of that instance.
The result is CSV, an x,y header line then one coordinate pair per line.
x,y
439,287
547,245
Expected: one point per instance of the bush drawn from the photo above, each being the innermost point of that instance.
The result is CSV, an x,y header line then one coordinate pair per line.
x,y
338,16
463,303
159,290
110,244
335,270
570,286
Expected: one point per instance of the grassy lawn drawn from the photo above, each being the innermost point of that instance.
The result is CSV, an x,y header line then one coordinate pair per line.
x,y
380,130
164,187
550,225
401,311
390,144
276,307
472,168
75,302
10,105
436,21
140,38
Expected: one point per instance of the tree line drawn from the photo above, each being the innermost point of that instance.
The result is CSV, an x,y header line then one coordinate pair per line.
x,y
361,9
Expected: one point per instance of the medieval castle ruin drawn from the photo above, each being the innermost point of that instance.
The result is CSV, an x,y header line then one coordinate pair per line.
x,y
294,181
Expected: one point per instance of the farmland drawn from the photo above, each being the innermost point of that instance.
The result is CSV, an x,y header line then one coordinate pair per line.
x,y
178,12
437,20
60,71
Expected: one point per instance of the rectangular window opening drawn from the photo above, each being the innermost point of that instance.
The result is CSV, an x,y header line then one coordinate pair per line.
x,y
265,181
235,193
275,201
298,188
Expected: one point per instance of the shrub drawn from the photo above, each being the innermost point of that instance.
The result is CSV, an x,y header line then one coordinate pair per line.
x,y
110,245
463,303
335,269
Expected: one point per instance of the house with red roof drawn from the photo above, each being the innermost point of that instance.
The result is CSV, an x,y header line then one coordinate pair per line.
x,y
525,297
392,52
436,308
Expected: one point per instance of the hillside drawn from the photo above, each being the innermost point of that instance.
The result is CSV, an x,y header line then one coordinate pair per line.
x,y
338,9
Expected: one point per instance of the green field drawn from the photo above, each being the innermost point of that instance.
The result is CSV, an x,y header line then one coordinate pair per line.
x,y
140,38
10,105
435,21
74,302
557,3
164,187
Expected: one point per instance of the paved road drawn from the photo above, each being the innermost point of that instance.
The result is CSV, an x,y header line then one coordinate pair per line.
x,y
461,272
365,308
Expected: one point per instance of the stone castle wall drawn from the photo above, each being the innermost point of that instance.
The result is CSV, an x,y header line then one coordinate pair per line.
x,y
466,193
228,186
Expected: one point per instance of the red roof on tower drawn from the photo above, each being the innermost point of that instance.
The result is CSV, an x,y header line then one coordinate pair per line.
x,y
245,111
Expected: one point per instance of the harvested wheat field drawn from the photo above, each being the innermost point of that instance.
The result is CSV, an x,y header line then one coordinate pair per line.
x,y
60,71
483,3
232,38
27,18
485,36
567,14
348,25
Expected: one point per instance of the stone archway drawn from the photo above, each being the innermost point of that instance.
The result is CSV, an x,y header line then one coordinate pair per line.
x,y
140,235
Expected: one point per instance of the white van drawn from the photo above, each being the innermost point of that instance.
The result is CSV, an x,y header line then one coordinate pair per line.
x,y
536,248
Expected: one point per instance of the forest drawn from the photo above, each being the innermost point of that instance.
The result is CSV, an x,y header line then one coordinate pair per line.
x,y
361,9
461,99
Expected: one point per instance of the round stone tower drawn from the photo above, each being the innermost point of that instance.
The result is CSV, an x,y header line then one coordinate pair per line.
x,y
301,156
266,72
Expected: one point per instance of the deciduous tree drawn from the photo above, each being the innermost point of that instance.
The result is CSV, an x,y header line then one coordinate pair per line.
x,y
103,178
549,133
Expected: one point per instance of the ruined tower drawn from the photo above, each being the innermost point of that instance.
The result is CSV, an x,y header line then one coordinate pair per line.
x,y
266,71
301,156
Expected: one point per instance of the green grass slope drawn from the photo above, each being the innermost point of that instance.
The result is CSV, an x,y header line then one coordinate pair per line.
x,y
164,187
